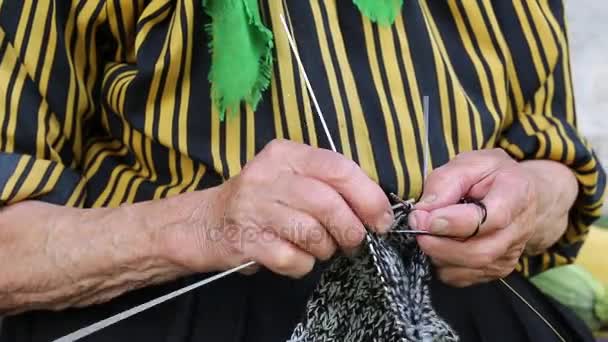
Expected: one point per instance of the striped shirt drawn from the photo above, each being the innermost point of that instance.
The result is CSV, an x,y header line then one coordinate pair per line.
x,y
104,102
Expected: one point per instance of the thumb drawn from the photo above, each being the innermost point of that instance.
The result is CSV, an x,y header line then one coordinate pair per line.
x,y
444,186
449,183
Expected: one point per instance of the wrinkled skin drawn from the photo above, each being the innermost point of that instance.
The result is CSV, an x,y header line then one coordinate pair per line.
x,y
293,204
508,191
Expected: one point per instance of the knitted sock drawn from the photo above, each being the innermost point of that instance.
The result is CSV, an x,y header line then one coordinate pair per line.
x,y
380,295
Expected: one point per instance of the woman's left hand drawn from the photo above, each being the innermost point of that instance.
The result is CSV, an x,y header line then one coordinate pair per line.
x,y
507,190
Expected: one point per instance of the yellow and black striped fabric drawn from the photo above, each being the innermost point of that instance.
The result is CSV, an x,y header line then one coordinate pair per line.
x,y
104,102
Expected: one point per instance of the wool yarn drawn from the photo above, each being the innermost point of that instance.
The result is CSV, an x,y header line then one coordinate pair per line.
x,y
382,294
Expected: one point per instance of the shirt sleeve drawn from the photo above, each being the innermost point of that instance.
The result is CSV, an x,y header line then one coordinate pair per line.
x,y
546,129
48,80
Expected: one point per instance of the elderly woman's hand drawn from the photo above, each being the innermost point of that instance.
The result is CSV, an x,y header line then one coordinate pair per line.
x,y
290,205
508,191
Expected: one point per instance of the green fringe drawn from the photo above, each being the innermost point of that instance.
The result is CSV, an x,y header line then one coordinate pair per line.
x,y
382,12
266,58
237,26
242,48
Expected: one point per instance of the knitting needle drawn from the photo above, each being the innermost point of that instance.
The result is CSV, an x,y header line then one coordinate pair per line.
x,y
426,159
296,53
86,331
426,166
425,170
413,232
294,49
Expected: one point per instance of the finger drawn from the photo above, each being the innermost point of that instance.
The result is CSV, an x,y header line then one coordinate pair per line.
x,y
506,198
449,183
458,220
324,204
476,252
364,196
280,256
440,263
418,220
462,277
301,229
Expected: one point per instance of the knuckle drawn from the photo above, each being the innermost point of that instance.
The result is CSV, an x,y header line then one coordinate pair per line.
x,y
377,202
345,169
490,272
336,215
250,174
465,155
439,176
497,271
334,166
275,147
318,242
499,153
440,173
484,259
330,208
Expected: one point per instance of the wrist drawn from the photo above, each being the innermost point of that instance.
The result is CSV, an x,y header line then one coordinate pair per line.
x,y
556,190
187,231
556,187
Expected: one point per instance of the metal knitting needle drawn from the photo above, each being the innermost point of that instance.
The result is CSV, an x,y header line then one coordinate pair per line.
x,y
426,170
86,331
426,148
294,49
296,53
413,232
426,162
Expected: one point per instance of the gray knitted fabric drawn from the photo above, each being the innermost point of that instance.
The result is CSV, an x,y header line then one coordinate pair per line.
x,y
380,295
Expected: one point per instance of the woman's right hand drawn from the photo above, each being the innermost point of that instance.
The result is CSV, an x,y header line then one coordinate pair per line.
x,y
290,205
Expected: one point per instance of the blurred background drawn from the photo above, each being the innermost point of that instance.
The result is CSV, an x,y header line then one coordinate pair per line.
x,y
584,286
588,24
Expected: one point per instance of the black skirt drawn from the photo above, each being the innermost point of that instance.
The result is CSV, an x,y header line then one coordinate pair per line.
x,y
266,307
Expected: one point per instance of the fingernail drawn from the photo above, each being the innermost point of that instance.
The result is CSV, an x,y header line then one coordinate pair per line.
x,y
385,221
427,199
439,226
